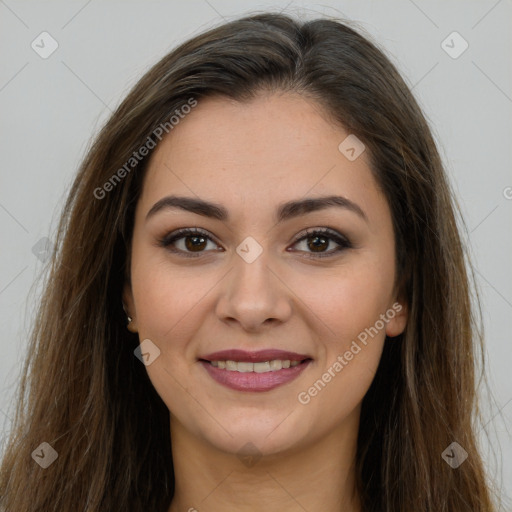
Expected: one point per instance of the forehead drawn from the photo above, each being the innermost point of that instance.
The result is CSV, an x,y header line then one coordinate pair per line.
x,y
273,148
268,131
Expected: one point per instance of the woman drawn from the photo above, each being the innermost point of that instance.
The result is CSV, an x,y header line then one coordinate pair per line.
x,y
259,299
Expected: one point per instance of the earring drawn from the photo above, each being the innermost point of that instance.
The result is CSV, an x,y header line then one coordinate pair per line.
x,y
129,326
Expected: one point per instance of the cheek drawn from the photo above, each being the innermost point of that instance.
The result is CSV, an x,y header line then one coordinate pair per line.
x,y
348,300
165,295
167,305
351,307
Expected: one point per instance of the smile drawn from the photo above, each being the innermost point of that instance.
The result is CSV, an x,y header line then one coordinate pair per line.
x,y
255,377
262,367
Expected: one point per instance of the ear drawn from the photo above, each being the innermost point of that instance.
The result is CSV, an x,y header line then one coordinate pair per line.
x,y
129,306
397,313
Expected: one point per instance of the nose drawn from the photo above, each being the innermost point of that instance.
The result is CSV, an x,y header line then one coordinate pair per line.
x,y
254,295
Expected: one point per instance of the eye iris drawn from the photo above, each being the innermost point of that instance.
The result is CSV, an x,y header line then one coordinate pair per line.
x,y
192,246
317,247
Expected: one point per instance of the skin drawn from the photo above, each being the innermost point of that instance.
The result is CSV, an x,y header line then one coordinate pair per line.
x,y
250,157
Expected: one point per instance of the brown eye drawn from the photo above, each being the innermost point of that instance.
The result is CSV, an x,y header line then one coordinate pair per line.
x,y
194,241
318,240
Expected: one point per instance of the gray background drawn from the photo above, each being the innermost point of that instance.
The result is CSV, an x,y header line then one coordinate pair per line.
x,y
50,108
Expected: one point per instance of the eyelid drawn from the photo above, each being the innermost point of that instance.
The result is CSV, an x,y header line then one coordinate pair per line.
x,y
322,230
183,232
332,234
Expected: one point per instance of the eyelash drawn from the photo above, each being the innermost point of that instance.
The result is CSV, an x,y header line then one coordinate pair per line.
x,y
342,241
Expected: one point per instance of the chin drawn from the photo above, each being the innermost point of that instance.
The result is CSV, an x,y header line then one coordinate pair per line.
x,y
264,436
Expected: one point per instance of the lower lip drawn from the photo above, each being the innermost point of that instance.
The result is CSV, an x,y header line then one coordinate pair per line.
x,y
252,381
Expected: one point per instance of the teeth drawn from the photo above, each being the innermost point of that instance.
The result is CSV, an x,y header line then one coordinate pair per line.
x,y
244,367
276,365
231,365
261,367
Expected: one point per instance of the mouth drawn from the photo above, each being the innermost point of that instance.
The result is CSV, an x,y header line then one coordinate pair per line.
x,y
254,371
272,365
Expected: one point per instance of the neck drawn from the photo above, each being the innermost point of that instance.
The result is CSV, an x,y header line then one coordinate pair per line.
x,y
319,476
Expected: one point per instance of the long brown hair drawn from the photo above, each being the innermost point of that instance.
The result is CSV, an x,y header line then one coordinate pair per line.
x,y
84,392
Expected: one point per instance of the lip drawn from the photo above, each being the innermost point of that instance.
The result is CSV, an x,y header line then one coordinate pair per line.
x,y
252,381
254,357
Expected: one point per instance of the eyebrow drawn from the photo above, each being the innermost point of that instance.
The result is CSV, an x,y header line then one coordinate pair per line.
x,y
285,211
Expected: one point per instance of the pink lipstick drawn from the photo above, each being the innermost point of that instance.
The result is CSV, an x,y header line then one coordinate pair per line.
x,y
254,371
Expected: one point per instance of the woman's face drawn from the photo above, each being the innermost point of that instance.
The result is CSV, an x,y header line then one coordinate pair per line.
x,y
254,281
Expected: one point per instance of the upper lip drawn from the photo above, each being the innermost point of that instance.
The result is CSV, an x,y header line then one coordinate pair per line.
x,y
255,357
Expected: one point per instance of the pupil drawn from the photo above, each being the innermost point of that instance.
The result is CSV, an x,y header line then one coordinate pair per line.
x,y
194,244
316,246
